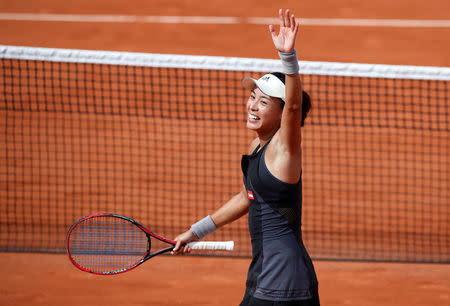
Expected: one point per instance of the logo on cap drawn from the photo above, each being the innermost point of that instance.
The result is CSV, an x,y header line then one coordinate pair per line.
x,y
265,78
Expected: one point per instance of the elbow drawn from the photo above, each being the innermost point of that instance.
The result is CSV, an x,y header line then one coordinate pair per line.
x,y
294,108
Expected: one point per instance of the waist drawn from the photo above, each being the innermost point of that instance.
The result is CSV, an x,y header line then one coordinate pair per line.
x,y
267,222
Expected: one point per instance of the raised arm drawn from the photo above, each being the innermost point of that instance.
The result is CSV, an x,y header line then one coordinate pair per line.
x,y
283,156
284,41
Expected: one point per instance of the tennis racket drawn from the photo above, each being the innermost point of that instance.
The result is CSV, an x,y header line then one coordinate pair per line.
x,y
110,244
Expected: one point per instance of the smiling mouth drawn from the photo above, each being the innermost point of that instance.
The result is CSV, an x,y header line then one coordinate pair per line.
x,y
252,117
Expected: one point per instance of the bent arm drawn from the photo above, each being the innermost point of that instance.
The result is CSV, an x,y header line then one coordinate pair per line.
x,y
235,208
232,210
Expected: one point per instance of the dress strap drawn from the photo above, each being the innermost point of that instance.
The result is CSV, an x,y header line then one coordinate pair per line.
x,y
256,149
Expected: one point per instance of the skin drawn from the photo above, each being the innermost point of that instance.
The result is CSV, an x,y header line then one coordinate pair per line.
x,y
270,122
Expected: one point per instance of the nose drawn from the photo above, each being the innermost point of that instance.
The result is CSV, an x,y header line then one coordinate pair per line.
x,y
253,104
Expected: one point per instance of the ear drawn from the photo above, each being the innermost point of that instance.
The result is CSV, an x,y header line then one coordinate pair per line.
x,y
281,106
281,102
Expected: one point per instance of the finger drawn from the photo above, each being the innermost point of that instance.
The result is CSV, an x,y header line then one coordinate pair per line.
x,y
287,22
185,249
272,30
293,22
280,12
176,248
296,27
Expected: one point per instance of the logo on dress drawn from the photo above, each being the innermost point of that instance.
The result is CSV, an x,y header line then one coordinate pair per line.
x,y
250,195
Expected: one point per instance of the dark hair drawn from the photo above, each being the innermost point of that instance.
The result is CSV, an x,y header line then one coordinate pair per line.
x,y
306,100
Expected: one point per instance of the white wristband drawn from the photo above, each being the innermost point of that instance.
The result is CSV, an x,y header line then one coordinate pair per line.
x,y
289,62
203,227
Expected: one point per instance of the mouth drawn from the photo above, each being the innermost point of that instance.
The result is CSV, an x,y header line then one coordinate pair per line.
x,y
252,117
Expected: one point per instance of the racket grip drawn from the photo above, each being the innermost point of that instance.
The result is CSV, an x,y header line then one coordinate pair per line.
x,y
212,245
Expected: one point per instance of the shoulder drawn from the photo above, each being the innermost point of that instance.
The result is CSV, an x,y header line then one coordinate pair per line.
x,y
253,145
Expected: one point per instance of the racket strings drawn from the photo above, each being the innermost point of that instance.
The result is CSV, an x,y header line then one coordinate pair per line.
x,y
107,244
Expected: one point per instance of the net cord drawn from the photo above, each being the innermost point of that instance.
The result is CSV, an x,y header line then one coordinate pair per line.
x,y
223,63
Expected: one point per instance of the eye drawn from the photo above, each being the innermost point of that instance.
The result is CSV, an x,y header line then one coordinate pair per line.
x,y
263,102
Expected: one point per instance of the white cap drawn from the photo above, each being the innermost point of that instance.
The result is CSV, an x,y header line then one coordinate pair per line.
x,y
269,84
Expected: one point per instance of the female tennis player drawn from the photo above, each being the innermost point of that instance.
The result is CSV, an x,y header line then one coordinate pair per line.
x,y
281,271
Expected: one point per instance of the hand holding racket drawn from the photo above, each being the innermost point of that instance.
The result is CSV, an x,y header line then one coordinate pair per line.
x,y
183,241
109,244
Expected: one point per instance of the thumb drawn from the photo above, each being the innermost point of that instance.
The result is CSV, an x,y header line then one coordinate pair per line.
x,y
272,30
177,247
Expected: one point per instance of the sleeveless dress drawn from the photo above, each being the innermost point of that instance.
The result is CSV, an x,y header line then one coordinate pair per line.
x,y
281,269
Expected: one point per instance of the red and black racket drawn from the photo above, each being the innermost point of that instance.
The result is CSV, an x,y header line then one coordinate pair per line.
x,y
109,244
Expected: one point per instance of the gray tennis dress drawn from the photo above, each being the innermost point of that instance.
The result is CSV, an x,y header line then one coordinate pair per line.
x,y
281,269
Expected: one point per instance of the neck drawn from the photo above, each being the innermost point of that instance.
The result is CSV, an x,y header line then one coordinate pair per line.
x,y
265,138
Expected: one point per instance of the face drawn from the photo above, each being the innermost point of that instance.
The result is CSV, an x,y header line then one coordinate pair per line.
x,y
264,113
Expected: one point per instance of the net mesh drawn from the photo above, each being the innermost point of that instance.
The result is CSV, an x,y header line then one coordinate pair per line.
x,y
161,143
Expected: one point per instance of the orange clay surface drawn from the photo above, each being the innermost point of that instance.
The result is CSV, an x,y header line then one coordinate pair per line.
x,y
42,279
401,46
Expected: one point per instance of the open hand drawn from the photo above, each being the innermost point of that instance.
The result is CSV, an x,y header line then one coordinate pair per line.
x,y
284,41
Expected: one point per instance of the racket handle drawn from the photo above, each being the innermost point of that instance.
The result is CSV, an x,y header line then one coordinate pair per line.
x,y
212,245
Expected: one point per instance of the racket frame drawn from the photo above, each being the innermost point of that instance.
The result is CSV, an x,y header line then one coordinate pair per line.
x,y
146,257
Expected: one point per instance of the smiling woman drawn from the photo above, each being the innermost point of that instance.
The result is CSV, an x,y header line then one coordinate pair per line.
x,y
272,85
264,111
281,272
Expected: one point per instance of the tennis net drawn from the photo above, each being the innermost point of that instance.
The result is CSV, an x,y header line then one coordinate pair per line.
x,y
159,138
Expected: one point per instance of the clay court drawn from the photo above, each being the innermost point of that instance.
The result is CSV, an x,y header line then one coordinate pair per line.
x,y
50,279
